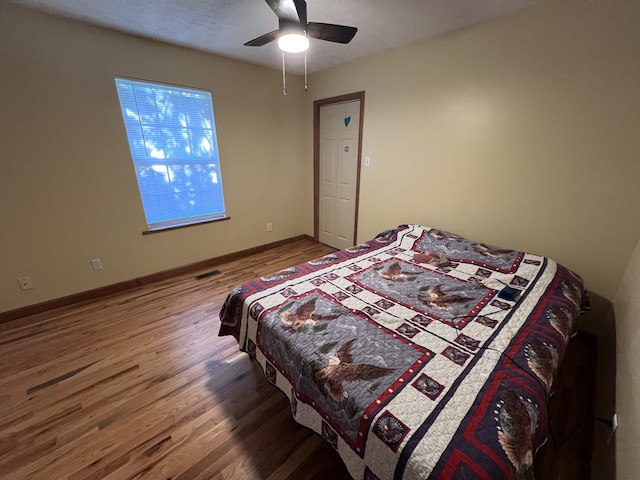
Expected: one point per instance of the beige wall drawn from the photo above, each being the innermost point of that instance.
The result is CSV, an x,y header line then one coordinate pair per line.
x,y
522,131
68,191
627,305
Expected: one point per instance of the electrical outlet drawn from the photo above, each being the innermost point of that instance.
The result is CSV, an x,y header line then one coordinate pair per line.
x,y
25,283
269,227
96,264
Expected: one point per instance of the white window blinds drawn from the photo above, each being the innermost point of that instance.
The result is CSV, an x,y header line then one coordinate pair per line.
x,y
172,136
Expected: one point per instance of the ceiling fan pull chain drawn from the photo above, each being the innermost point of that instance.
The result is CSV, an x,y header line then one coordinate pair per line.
x,y
284,77
305,71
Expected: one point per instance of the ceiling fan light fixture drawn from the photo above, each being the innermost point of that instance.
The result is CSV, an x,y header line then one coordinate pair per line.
x,y
293,42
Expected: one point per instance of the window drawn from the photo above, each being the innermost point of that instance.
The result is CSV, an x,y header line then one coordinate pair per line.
x,y
172,137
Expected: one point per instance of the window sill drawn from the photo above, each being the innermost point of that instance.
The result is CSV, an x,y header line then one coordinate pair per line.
x,y
160,230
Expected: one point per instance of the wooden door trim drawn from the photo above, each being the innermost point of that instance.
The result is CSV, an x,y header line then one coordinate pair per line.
x,y
349,97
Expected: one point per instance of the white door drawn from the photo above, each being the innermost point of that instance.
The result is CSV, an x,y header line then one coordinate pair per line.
x,y
338,170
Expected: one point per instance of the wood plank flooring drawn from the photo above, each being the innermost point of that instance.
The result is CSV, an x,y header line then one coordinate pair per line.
x,y
139,385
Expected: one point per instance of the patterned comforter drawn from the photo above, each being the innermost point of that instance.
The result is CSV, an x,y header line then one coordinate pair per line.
x,y
418,354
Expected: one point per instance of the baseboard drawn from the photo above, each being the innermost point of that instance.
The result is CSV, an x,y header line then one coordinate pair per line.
x,y
136,282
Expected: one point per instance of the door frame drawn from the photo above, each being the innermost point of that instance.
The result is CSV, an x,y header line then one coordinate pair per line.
x,y
317,104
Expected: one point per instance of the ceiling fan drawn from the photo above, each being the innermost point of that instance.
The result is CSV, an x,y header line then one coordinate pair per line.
x,y
294,30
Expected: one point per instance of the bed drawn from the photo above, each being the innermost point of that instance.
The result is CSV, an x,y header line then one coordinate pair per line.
x,y
418,354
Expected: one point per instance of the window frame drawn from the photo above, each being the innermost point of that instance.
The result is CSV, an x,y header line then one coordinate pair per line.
x,y
141,115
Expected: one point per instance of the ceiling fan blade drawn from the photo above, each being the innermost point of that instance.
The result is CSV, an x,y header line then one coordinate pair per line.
x,y
263,39
331,32
293,10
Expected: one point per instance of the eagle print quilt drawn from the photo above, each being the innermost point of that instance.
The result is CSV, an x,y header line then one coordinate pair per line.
x,y
418,354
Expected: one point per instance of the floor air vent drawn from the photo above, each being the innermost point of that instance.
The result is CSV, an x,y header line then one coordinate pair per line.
x,y
208,274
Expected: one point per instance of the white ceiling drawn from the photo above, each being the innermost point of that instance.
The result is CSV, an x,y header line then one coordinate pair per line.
x,y
223,26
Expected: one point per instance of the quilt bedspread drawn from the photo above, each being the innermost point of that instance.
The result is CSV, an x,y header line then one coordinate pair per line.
x,y
418,354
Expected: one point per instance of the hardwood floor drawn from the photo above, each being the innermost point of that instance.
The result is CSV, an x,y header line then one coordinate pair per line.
x,y
139,385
